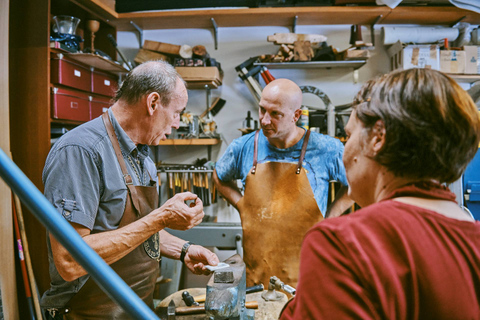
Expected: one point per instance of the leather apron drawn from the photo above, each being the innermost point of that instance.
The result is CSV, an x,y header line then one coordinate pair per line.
x,y
277,209
138,269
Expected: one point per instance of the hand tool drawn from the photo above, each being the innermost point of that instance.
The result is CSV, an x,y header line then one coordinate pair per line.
x,y
275,283
201,309
21,256
189,300
159,177
114,43
207,189
28,260
171,310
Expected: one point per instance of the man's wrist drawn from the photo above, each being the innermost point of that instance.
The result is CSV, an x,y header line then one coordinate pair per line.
x,y
184,251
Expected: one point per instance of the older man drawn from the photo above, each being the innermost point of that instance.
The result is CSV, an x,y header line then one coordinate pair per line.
x,y
286,172
100,178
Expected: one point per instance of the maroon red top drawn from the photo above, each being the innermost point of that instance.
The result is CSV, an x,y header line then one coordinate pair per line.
x,y
390,260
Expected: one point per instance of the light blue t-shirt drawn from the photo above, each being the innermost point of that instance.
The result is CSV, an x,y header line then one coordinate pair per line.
x,y
323,161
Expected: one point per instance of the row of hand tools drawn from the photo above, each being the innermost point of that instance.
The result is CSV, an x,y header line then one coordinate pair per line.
x,y
197,180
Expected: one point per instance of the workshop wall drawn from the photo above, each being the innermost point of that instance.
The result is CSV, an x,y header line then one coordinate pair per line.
x,y
236,45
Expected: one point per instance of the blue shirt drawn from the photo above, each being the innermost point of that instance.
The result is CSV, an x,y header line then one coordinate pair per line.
x,y
322,162
84,182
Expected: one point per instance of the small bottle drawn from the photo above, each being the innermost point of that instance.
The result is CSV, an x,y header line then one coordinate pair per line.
x,y
303,120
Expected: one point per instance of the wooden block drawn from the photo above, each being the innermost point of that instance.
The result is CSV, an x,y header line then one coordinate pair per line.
x,y
303,51
290,38
354,55
147,55
162,47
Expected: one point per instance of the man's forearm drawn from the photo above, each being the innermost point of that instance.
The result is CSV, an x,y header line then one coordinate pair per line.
x,y
110,245
341,203
170,246
229,190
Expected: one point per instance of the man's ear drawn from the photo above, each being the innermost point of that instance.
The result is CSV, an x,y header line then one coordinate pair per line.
x,y
153,102
297,115
377,137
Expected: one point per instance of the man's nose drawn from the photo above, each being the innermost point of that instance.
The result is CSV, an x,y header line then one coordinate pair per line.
x,y
265,119
176,123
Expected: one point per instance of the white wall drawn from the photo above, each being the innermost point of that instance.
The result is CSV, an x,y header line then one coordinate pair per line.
x,y
236,45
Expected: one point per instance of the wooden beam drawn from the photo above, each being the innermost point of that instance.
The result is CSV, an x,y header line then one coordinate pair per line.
x,y
7,259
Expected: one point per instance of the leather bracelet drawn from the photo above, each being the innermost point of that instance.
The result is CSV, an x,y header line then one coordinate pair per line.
x,y
185,248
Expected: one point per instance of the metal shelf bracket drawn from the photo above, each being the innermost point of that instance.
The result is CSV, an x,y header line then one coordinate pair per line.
x,y
294,26
372,29
140,33
215,32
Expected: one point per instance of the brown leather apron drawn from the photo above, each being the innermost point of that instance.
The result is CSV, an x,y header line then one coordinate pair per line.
x,y
277,209
138,269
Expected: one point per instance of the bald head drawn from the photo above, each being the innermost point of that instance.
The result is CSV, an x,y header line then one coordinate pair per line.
x,y
285,92
153,76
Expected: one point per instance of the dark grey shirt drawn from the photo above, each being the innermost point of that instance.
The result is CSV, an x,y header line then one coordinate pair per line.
x,y
84,182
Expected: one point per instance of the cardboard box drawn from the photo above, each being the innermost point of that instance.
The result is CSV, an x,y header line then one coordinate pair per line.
x,y
452,61
199,74
472,64
414,56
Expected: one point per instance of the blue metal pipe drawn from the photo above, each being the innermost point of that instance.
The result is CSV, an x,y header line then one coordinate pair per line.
x,y
101,272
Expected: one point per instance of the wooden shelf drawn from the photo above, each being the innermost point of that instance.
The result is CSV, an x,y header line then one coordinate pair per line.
x,y
465,78
363,15
355,64
98,62
189,142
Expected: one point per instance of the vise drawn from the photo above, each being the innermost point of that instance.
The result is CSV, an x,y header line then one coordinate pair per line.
x,y
226,292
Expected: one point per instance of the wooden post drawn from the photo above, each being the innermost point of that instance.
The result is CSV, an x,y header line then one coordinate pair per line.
x,y
7,261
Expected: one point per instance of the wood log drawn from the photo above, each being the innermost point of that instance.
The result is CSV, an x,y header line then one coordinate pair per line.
x,y
200,52
303,51
290,38
144,55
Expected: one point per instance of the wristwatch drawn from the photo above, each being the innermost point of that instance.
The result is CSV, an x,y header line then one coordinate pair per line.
x,y
185,248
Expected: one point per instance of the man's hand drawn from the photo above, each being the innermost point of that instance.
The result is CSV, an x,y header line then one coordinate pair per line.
x,y
177,215
198,257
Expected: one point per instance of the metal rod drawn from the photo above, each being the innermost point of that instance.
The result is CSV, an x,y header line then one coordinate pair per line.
x,y
215,32
43,210
140,33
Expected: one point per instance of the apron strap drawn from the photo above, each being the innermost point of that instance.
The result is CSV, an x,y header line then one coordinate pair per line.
x,y
304,150
255,152
116,147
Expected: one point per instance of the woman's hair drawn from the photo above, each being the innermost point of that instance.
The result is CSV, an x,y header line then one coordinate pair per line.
x,y
432,125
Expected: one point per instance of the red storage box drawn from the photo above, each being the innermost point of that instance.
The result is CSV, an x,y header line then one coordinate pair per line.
x,y
70,105
98,105
71,74
104,83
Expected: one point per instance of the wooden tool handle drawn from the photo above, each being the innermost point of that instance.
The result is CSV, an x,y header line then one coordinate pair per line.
x,y
201,309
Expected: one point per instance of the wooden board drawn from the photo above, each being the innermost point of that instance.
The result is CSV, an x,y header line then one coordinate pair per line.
x,y
8,290
144,55
290,38
162,47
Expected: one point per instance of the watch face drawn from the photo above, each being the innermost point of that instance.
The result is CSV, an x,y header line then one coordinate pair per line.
x,y
152,246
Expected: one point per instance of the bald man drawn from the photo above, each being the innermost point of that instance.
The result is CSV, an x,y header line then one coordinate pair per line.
x,y
286,172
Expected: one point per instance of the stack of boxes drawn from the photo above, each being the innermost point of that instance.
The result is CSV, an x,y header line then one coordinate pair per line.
x,y
464,61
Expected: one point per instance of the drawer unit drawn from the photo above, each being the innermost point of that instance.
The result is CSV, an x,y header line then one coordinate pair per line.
x,y
104,83
98,105
70,105
69,73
